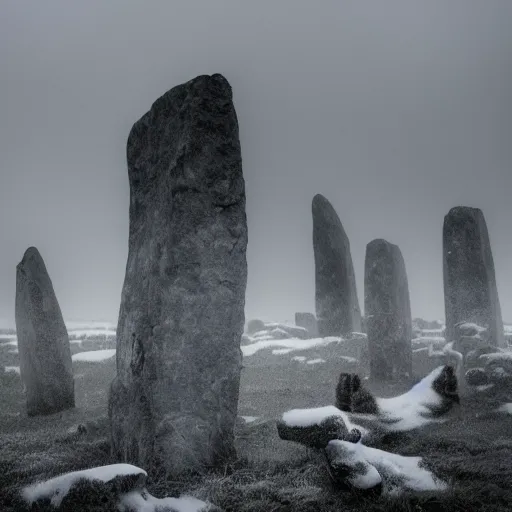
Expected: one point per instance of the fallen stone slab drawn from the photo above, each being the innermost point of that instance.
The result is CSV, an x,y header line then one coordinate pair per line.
x,y
316,427
366,468
96,483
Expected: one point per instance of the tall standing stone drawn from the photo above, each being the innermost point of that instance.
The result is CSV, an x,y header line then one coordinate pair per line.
x,y
173,404
469,280
337,305
43,344
388,312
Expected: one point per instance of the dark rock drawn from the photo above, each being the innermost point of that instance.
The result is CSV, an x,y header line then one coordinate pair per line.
x,y
388,311
319,434
255,325
497,360
307,321
477,377
469,279
352,396
473,357
45,356
337,305
173,404
245,340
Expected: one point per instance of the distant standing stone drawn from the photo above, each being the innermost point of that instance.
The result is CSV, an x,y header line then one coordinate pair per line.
x,y
469,281
173,404
308,321
43,344
337,306
388,312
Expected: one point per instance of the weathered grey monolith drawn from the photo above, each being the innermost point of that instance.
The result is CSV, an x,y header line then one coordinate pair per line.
x,y
337,305
469,281
308,321
173,404
43,344
388,312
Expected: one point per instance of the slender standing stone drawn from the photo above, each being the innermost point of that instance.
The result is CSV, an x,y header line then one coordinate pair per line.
x,y
388,312
469,280
173,404
337,306
43,344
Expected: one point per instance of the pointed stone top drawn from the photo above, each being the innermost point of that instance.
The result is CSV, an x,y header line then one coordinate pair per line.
x,y
320,200
31,255
321,204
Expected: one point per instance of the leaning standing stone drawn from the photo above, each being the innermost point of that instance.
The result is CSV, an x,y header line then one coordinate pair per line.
x,y
337,305
388,312
469,281
45,356
173,404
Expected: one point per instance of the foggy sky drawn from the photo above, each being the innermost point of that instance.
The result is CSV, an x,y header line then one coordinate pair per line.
x,y
396,111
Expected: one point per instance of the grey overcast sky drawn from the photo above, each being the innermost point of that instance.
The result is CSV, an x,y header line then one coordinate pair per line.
x,y
396,111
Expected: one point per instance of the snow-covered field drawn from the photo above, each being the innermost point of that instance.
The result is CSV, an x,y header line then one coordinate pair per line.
x,y
77,331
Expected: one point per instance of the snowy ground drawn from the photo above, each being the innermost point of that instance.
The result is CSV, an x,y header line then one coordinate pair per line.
x,y
276,378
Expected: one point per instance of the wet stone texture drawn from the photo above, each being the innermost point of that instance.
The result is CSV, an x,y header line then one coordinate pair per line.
x,y
173,404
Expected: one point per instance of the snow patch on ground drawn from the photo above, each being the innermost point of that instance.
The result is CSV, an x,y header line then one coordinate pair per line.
x,y
300,359
94,355
293,344
10,337
506,408
15,369
142,501
86,325
315,361
281,351
13,343
249,419
91,333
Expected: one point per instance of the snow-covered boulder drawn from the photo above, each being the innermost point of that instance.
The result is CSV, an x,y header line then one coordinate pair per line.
x,y
118,486
317,426
426,402
62,489
364,467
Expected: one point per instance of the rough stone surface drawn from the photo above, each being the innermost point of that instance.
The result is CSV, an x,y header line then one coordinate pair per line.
x,y
318,436
388,312
173,404
469,281
337,305
45,356
308,321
